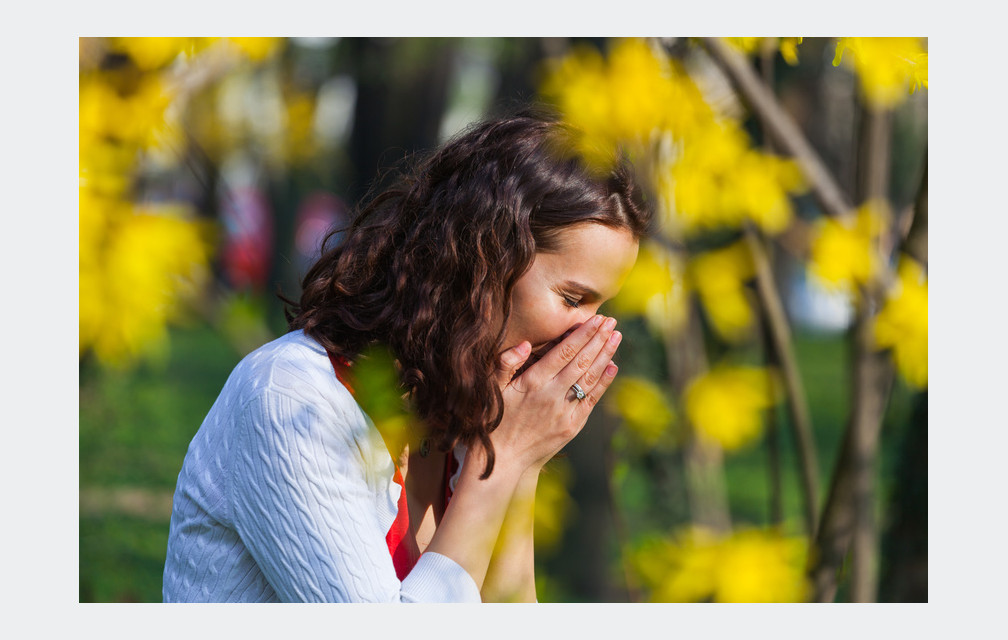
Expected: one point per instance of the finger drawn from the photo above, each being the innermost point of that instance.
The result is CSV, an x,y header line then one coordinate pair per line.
x,y
511,360
559,356
595,372
593,395
584,359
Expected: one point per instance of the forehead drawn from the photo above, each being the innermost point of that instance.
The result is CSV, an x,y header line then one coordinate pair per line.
x,y
590,254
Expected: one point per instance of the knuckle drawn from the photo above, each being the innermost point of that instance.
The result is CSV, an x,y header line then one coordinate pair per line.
x,y
567,352
583,361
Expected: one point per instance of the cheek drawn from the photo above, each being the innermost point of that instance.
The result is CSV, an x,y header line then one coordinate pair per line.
x,y
541,325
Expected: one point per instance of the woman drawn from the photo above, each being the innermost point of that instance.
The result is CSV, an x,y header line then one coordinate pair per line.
x,y
482,272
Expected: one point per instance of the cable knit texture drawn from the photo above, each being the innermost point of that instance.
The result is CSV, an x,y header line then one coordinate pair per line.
x,y
286,494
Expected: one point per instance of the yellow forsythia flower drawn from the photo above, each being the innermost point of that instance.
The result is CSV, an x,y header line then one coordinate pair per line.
x,y
553,505
256,49
719,181
681,568
789,50
654,289
719,278
152,53
725,405
698,565
621,102
902,323
842,251
761,566
644,407
300,130
888,69
135,267
788,47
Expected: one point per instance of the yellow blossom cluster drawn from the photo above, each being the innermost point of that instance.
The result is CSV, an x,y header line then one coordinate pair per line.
x,y
639,99
655,289
719,180
719,277
843,252
888,69
136,264
902,323
788,47
725,405
699,565
137,261
645,408
554,506
625,101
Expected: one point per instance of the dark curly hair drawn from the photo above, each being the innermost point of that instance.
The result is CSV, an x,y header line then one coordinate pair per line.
x,y
427,267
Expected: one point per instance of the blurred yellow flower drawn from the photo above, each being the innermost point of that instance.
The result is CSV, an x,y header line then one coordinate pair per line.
x,y
681,568
152,53
553,505
136,119
761,566
644,407
257,49
654,289
843,254
720,181
698,565
726,404
788,47
902,323
719,278
888,69
135,268
622,102
300,144
789,50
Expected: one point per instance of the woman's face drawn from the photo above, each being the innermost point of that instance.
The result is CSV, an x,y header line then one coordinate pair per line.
x,y
566,287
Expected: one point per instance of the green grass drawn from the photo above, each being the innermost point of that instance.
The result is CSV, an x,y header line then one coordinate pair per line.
x,y
135,428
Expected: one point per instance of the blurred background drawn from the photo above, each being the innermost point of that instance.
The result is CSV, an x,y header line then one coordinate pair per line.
x,y
766,439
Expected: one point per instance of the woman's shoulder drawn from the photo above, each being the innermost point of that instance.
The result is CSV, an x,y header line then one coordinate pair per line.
x,y
294,365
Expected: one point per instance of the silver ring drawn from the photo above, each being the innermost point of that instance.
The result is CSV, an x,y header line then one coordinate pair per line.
x,y
578,391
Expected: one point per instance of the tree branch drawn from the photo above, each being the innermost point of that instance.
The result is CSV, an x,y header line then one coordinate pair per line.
x,y
801,421
779,125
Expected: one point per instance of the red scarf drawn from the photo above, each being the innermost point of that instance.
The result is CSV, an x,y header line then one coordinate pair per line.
x,y
402,546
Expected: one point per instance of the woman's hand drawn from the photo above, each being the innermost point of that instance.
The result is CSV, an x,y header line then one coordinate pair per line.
x,y
541,411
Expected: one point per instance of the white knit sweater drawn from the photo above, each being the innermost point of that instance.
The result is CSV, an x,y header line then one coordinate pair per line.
x,y
286,494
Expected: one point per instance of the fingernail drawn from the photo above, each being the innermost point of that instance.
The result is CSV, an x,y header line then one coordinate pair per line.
x,y
610,323
611,369
524,348
615,338
596,321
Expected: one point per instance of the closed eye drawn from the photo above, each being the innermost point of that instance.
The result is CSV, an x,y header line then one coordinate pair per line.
x,y
572,302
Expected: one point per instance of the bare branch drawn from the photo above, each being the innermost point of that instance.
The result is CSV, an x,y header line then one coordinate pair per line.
x,y
779,125
801,421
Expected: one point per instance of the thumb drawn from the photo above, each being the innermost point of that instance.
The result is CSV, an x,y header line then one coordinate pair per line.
x,y
511,360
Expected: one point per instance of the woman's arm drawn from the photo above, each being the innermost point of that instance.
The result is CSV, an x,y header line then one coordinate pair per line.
x,y
511,575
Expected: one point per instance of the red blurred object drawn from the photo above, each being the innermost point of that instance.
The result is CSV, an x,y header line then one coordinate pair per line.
x,y
248,242
319,213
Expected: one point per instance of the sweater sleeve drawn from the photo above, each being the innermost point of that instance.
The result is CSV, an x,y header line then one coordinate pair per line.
x,y
303,508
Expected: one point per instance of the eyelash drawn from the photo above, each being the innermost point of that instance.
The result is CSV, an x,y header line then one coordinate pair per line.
x,y
571,302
